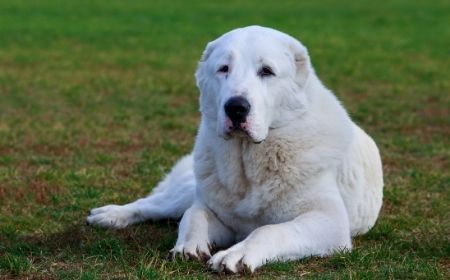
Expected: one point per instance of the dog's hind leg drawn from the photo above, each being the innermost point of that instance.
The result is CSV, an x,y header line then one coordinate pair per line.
x,y
170,199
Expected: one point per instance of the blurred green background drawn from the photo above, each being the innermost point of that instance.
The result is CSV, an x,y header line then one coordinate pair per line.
x,y
98,100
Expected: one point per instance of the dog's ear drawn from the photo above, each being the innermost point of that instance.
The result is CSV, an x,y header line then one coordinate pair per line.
x,y
208,50
200,73
302,61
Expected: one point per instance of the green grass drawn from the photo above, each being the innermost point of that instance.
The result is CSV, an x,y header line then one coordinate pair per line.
x,y
98,100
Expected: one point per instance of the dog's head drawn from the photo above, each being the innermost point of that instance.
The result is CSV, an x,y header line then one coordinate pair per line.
x,y
252,79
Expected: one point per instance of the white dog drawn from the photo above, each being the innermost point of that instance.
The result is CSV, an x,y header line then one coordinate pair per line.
x,y
278,172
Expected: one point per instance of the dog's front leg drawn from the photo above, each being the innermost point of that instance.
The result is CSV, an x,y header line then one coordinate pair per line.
x,y
199,232
312,233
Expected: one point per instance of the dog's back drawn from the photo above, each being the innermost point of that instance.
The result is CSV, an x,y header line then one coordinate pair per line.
x,y
360,181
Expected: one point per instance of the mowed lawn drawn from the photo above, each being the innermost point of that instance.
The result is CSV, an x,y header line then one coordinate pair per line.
x,y
98,100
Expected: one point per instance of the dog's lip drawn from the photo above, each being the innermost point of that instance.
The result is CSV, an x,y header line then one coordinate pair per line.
x,y
238,132
242,133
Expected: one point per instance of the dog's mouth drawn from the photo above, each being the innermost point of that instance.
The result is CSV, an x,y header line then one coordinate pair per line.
x,y
238,132
241,130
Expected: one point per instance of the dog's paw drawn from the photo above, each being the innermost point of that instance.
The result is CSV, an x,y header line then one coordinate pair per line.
x,y
111,216
200,251
234,260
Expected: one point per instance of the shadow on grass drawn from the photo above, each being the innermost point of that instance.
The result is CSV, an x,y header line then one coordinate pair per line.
x,y
140,251
78,250
78,241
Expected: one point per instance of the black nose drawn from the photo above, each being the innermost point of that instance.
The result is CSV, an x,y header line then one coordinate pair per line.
x,y
237,109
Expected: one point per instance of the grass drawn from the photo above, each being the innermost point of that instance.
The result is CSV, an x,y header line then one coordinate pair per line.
x,y
98,100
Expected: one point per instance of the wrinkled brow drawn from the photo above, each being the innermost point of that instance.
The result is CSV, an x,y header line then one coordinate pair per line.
x,y
266,61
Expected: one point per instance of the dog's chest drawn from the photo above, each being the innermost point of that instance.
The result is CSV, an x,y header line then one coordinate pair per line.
x,y
250,185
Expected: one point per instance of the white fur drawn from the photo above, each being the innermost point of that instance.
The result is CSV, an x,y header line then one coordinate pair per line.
x,y
314,181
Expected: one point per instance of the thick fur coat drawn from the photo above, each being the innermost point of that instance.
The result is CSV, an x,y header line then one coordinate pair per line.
x,y
294,177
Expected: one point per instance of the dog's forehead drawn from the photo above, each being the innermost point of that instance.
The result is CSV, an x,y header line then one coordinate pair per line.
x,y
253,38
253,42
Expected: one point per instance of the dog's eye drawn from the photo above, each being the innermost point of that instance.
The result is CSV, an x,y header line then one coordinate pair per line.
x,y
265,71
223,69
